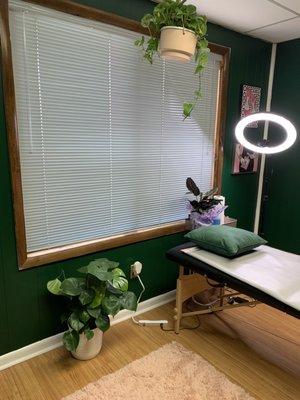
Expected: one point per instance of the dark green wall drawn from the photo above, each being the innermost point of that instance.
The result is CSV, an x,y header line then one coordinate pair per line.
x,y
27,313
250,60
282,215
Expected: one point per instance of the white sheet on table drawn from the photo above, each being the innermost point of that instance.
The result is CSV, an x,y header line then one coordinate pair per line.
x,y
273,271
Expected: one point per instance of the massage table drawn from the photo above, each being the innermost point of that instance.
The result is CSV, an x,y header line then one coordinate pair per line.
x,y
265,275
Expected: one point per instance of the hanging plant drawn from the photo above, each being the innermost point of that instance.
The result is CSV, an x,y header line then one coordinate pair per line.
x,y
177,32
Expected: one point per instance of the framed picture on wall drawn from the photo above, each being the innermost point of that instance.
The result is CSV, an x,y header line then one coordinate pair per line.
x,y
244,160
250,102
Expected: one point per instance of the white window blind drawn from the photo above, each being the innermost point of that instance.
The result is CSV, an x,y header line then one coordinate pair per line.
x,y
103,146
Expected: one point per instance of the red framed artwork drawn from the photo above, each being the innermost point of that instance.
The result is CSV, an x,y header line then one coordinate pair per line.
x,y
244,161
250,102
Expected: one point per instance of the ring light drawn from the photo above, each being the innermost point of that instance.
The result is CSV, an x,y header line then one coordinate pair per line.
x,y
291,133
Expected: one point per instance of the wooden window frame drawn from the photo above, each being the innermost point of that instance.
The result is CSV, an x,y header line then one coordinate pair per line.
x,y
36,258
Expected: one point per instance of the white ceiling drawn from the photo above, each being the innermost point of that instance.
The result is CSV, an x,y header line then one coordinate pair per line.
x,y
271,20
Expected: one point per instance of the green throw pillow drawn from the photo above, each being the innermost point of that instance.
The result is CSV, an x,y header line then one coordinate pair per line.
x,y
225,240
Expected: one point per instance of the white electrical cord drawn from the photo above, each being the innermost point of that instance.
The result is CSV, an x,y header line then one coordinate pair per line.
x,y
205,304
139,299
144,322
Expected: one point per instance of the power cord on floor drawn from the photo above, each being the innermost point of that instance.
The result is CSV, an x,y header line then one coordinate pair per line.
x,y
139,322
188,328
253,325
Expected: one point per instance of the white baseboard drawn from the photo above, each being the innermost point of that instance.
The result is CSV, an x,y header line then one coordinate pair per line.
x,y
52,342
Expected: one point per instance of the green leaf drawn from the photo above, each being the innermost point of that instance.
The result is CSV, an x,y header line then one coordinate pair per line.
x,y
111,305
98,297
113,290
99,269
95,312
103,322
86,296
199,68
71,340
108,264
118,272
128,301
187,109
191,8
54,286
202,44
89,334
201,59
198,94
149,57
75,322
147,20
64,317
72,286
84,316
119,281
152,44
140,42
211,192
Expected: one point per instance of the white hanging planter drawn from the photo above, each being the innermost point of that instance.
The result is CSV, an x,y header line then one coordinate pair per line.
x,y
177,43
88,349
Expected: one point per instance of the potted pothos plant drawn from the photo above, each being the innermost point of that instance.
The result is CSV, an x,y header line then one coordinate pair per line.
x,y
177,32
102,290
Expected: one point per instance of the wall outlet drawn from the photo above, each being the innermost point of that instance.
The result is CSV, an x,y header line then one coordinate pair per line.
x,y
135,269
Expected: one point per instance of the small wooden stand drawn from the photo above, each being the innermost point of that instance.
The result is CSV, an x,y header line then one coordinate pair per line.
x,y
187,286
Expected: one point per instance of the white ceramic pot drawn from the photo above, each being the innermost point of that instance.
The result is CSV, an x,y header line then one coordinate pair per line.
x,y
88,349
177,43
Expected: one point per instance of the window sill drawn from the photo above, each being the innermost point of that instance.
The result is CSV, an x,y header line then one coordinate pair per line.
x,y
55,254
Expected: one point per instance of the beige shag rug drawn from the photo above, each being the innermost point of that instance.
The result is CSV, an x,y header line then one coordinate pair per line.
x,y
170,373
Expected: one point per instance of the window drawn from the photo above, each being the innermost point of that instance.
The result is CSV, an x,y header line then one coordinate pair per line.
x,y
103,148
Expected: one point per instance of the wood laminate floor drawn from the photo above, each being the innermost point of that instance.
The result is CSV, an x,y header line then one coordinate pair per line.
x,y
257,348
